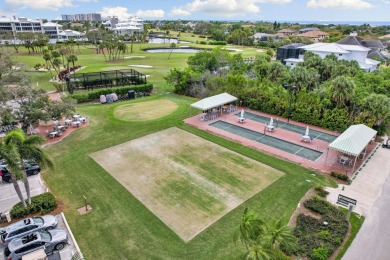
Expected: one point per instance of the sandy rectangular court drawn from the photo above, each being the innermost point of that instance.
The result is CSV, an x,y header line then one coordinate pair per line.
x,y
186,181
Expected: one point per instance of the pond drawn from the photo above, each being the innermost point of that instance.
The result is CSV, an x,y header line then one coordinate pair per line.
x,y
165,40
180,50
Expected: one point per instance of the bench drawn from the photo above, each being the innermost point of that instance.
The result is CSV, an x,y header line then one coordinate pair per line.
x,y
345,201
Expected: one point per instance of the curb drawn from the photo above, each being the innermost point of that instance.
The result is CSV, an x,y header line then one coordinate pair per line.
x,y
71,234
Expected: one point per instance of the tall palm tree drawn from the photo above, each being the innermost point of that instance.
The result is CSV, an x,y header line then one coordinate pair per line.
x,y
28,148
11,156
71,59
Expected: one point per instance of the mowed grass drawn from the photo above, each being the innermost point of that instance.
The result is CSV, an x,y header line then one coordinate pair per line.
x,y
199,195
120,226
148,110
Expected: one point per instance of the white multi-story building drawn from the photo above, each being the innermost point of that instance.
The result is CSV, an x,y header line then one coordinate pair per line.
x,y
132,25
52,30
20,24
342,52
93,17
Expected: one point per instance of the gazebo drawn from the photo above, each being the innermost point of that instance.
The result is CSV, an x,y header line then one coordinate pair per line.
x,y
213,102
353,141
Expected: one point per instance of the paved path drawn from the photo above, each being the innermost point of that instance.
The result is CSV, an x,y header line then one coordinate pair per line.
x,y
371,189
367,186
8,196
373,239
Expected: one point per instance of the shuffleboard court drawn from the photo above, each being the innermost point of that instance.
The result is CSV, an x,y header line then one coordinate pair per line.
x,y
291,127
186,181
292,148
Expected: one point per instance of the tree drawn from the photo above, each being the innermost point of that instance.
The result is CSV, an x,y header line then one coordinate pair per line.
x,y
378,106
28,148
71,59
342,90
10,154
263,241
173,45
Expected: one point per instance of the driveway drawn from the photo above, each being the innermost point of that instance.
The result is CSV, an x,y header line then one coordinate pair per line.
x,y
373,240
367,186
8,196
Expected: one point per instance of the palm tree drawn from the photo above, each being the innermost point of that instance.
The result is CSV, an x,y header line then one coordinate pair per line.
x,y
277,234
249,228
173,45
28,148
342,90
72,59
11,156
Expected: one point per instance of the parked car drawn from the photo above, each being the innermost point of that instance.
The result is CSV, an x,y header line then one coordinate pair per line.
x,y
49,241
31,169
27,226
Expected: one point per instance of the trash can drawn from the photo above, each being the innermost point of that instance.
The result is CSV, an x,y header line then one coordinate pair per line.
x,y
131,94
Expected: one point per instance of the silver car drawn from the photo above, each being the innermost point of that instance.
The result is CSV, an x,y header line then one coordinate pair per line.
x,y
49,241
27,226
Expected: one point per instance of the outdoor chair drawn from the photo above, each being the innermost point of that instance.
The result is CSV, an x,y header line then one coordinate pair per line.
x,y
47,133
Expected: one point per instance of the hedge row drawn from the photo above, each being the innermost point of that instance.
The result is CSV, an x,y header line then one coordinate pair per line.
x,y
121,91
339,176
217,43
316,239
42,203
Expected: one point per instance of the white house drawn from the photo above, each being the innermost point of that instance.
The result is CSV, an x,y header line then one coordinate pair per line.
x,y
131,26
70,34
342,52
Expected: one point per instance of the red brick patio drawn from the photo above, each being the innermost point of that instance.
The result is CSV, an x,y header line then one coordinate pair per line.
x,y
318,145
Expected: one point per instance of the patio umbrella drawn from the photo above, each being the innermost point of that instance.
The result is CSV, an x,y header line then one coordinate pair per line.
x,y
271,122
307,131
242,113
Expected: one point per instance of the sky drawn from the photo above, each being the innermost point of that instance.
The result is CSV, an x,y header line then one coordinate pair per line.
x,y
245,10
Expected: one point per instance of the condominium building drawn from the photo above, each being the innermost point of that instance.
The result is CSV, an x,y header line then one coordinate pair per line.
x,y
132,25
53,30
92,17
20,24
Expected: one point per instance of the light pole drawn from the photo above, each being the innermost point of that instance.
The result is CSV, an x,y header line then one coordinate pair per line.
x,y
290,89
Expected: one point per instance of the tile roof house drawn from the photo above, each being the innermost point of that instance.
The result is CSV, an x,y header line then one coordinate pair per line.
x,y
315,36
342,52
286,32
374,45
308,29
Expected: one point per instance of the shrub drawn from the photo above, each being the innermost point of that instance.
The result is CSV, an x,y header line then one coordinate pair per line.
x,y
121,91
59,86
339,176
320,254
42,203
217,43
202,42
320,191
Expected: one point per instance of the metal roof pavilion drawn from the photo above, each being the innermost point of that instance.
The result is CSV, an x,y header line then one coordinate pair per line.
x,y
214,101
353,140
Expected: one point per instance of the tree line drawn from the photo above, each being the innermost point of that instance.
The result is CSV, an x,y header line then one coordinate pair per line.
x,y
329,93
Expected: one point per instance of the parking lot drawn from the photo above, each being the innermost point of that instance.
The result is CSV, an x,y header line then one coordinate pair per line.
x,y
67,252
8,196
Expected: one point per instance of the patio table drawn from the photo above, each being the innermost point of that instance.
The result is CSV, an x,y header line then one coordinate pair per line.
x,y
76,123
53,134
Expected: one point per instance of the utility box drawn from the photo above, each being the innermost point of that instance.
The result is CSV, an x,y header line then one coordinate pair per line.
x,y
8,216
131,94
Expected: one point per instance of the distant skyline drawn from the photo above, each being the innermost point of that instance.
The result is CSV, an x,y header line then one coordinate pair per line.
x,y
246,10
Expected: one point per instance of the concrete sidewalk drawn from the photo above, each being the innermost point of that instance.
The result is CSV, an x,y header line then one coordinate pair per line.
x,y
8,196
367,185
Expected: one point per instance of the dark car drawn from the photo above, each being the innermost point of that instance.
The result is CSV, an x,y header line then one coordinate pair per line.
x,y
50,240
31,169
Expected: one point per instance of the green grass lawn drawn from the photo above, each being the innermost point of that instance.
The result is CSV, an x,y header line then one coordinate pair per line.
x,y
119,225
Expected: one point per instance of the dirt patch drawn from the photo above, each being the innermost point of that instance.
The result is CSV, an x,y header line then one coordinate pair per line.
x,y
186,181
144,111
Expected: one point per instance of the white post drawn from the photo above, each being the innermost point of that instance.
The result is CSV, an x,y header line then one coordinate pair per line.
x,y
326,158
354,163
